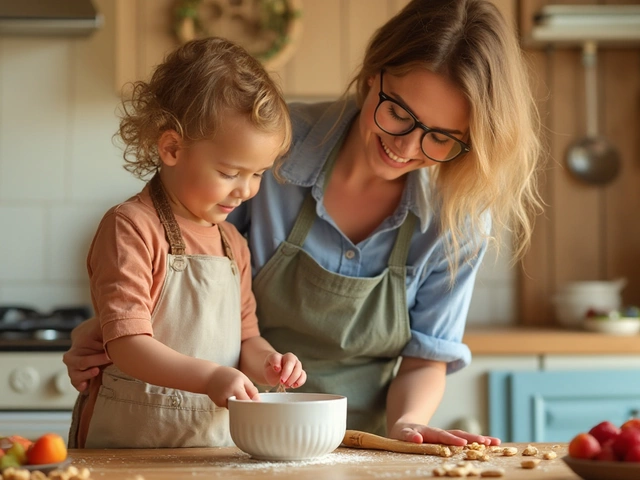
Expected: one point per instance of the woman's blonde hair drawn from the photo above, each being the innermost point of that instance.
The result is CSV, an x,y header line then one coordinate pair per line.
x,y
469,42
191,92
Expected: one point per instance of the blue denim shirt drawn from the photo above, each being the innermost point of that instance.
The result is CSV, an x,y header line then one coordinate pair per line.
x,y
437,311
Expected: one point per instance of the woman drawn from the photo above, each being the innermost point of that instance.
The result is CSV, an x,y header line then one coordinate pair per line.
x,y
365,256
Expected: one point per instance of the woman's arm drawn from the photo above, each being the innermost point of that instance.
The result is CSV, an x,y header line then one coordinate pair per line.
x,y
413,397
437,325
86,354
415,393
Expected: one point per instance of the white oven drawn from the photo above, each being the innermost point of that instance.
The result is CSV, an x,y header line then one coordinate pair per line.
x,y
36,396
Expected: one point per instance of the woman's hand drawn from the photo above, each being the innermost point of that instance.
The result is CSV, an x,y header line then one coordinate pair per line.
x,y
86,354
285,369
227,382
415,433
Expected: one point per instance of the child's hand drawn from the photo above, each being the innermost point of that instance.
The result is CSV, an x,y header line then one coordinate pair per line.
x,y
227,382
285,369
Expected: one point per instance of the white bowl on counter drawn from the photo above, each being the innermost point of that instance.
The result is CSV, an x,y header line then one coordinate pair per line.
x,y
288,426
618,326
574,299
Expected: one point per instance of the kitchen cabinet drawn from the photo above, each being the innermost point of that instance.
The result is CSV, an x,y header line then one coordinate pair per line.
x,y
334,36
572,380
465,403
527,384
611,361
569,394
553,406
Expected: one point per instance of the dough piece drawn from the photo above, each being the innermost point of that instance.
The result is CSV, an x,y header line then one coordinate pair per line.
x,y
531,463
439,472
494,472
476,446
509,451
477,455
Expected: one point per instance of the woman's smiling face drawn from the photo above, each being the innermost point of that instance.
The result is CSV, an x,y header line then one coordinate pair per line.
x,y
436,103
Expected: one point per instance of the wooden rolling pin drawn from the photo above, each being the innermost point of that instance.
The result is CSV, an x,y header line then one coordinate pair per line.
x,y
357,439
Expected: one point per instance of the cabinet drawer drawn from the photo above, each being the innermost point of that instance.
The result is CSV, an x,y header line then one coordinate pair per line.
x,y
555,406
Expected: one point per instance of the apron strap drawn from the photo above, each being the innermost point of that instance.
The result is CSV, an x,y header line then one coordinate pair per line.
x,y
168,219
307,214
225,243
400,252
171,227
304,221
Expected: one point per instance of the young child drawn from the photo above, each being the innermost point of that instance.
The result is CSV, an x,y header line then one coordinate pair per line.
x,y
170,279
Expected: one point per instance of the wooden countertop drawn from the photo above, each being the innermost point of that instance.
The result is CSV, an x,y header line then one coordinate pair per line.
x,y
540,341
343,464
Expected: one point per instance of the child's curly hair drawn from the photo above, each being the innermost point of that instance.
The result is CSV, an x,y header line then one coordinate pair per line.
x,y
190,92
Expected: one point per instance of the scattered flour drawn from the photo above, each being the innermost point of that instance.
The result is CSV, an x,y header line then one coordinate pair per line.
x,y
245,462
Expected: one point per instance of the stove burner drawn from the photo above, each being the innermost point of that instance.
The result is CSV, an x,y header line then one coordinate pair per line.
x,y
20,323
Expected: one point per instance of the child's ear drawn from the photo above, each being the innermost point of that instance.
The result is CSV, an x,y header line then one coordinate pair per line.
x,y
168,146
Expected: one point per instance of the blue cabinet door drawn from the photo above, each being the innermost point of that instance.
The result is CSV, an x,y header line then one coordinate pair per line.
x,y
555,406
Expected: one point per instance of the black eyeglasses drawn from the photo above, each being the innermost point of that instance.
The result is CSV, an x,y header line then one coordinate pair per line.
x,y
397,120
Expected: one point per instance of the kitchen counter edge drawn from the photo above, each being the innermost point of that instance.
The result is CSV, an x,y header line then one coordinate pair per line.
x,y
542,341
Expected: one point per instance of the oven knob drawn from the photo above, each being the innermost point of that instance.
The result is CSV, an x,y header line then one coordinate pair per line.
x,y
24,380
62,383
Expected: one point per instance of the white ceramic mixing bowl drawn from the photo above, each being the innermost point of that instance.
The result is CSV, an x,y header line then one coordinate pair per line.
x,y
288,426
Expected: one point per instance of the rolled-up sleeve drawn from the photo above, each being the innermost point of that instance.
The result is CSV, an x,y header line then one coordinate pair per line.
x,y
439,311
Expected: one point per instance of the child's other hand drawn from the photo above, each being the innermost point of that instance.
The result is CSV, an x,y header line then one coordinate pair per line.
x,y
227,382
285,369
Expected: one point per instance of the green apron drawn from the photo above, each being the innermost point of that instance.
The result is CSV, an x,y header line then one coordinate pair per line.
x,y
348,332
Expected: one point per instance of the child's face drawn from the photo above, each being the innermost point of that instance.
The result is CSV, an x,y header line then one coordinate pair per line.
x,y
210,178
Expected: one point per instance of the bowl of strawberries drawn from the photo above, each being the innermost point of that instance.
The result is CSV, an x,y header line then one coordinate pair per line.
x,y
606,452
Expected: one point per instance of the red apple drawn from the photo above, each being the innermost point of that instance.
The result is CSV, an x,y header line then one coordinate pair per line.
x,y
633,454
631,423
628,438
584,445
604,431
607,454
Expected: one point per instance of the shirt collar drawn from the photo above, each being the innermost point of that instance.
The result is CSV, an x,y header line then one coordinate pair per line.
x,y
323,136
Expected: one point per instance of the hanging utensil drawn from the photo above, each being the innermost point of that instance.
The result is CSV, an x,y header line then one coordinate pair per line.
x,y
592,159
357,439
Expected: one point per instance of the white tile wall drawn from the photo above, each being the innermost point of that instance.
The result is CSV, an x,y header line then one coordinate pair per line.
x,y
495,295
60,171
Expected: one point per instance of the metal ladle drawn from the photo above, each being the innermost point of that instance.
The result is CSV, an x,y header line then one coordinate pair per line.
x,y
592,159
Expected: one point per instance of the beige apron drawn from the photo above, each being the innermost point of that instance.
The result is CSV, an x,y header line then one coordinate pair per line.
x,y
198,314
347,331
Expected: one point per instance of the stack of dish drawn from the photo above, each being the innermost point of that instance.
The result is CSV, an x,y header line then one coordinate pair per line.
x,y
574,300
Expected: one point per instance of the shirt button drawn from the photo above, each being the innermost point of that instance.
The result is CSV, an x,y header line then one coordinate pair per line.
x,y
350,254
